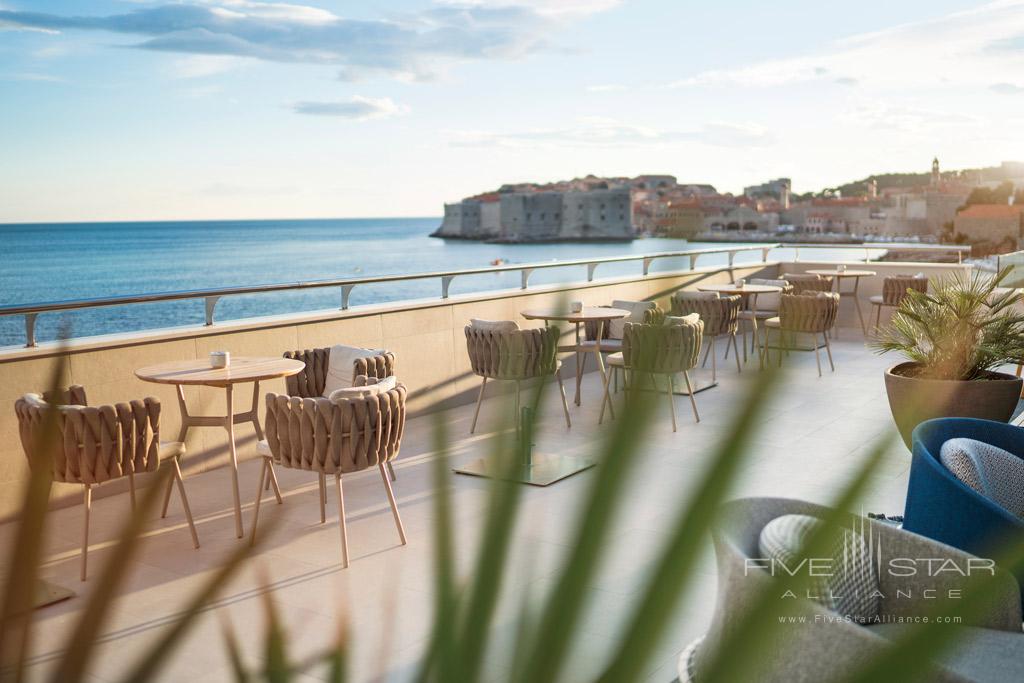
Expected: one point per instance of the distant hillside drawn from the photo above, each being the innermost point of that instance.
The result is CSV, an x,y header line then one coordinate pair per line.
x,y
859,188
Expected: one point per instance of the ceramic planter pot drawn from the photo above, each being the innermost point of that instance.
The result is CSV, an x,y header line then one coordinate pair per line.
x,y
914,400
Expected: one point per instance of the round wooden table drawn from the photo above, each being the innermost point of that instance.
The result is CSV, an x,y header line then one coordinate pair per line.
x,y
595,314
199,373
838,276
730,289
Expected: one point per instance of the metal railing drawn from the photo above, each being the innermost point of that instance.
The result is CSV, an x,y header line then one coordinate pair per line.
x,y
1015,262
210,297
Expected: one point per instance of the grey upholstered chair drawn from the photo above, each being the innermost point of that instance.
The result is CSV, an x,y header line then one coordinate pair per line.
x,y
810,313
98,444
659,350
720,315
894,291
501,351
335,436
820,643
808,282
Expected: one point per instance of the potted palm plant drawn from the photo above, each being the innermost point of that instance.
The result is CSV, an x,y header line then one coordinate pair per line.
x,y
955,339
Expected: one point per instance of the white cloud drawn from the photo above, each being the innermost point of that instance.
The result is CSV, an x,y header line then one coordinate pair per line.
x,y
907,119
954,49
201,66
604,132
414,46
357,108
606,87
1007,88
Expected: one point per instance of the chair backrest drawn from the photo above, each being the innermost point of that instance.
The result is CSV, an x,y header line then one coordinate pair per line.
x,y
770,302
720,314
812,313
612,329
340,435
894,289
808,282
668,348
94,444
311,381
515,354
989,470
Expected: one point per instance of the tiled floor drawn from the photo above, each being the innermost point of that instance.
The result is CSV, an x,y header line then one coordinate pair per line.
x,y
813,435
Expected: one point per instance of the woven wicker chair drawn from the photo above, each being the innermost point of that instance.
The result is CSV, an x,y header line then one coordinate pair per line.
x,y
760,308
660,350
311,381
894,291
809,313
334,437
720,315
100,444
808,282
514,355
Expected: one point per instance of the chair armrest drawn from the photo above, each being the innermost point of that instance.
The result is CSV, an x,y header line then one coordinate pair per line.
x,y
917,573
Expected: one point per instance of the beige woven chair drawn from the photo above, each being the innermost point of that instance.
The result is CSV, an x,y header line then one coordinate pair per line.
x,y
894,290
761,307
664,350
311,381
334,437
501,351
808,282
811,313
100,444
720,315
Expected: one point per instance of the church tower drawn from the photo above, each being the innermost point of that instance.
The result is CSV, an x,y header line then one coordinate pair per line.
x,y
935,172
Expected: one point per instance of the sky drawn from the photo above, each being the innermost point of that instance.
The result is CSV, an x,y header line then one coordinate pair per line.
x,y
222,109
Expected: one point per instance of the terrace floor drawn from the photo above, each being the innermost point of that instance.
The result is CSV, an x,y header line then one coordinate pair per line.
x,y
810,440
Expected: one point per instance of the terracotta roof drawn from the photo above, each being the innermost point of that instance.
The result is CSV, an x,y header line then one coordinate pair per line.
x,y
992,210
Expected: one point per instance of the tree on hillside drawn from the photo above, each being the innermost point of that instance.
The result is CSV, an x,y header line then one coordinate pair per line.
x,y
996,195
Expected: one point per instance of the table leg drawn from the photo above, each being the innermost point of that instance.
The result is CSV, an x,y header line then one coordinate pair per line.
x,y
579,365
255,410
229,424
186,420
856,304
600,366
762,349
839,290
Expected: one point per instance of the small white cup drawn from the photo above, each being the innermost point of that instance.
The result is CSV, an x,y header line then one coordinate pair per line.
x,y
220,359
740,283
575,306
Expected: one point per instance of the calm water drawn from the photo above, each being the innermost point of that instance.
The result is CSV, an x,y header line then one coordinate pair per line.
x,y
54,262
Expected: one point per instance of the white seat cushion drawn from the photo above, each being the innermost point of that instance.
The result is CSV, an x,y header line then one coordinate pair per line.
x,y
768,302
989,470
696,296
636,315
850,589
616,359
493,325
372,388
340,366
263,449
691,319
773,322
877,299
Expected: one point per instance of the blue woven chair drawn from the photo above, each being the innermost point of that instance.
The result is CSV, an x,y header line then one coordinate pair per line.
x,y
941,507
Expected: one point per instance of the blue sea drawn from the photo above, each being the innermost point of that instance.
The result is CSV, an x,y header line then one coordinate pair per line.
x,y
62,261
